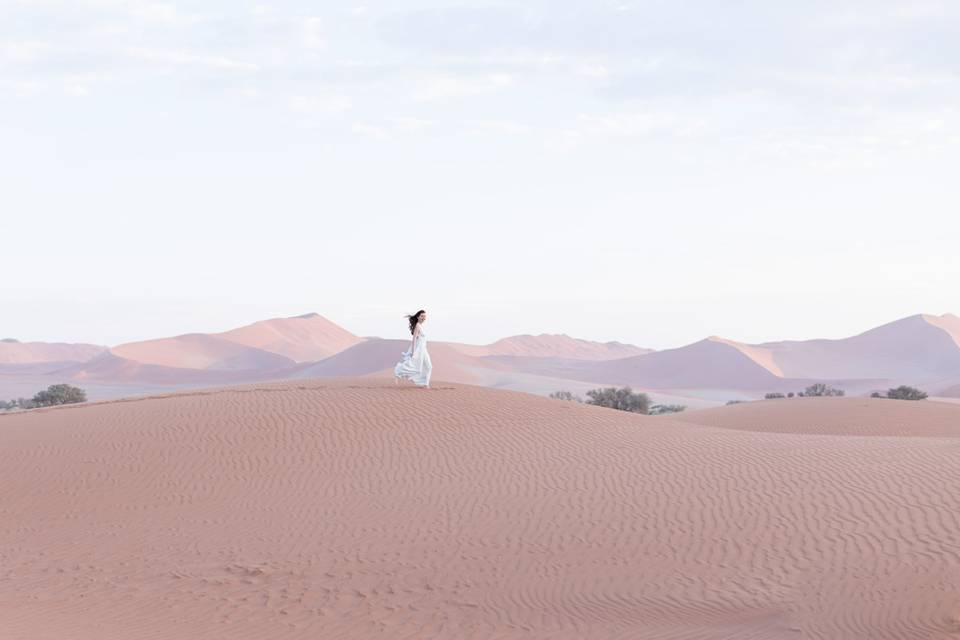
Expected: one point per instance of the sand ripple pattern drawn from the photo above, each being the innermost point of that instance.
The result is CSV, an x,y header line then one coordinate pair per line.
x,y
354,509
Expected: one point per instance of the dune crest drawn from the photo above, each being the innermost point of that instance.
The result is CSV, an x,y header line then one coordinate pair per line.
x,y
303,338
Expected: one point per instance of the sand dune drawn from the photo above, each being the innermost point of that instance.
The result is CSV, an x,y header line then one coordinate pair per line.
x,y
376,357
14,352
302,339
200,351
920,350
353,509
553,346
948,322
914,349
710,363
836,416
110,368
950,392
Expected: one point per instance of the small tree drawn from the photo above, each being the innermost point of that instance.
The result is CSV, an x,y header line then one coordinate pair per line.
x,y
58,394
790,395
565,395
16,403
877,394
904,392
773,396
624,399
820,389
660,409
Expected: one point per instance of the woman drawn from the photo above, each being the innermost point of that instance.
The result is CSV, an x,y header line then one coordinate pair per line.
x,y
416,365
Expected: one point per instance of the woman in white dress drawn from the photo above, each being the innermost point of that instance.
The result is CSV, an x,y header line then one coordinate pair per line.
x,y
416,365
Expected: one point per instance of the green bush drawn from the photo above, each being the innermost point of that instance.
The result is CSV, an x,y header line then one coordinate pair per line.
x,y
58,394
624,399
820,390
660,409
17,403
773,396
904,392
565,395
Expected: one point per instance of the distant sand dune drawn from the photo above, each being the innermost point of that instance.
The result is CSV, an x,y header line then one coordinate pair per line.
x,y
355,509
836,416
302,339
201,351
13,352
553,346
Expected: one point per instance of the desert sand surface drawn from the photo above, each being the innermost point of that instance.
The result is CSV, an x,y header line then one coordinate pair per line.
x,y
357,509
836,416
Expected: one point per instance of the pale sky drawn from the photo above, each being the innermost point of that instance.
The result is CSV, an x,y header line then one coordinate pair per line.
x,y
645,171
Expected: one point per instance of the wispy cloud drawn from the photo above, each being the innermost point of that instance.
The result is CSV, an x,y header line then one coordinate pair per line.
x,y
172,58
442,86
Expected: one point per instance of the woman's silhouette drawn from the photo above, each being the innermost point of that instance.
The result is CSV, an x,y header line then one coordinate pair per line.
x,y
416,365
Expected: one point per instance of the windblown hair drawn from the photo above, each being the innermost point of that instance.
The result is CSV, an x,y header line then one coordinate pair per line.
x,y
414,318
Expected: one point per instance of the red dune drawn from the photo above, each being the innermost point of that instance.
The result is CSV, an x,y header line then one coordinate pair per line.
x,y
355,509
913,349
302,339
947,322
712,363
200,351
13,352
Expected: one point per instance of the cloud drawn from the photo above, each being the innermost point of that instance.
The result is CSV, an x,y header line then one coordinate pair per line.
x,y
591,70
443,86
20,52
160,13
312,33
392,127
315,107
189,58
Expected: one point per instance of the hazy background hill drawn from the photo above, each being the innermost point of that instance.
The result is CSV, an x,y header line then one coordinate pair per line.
x,y
920,350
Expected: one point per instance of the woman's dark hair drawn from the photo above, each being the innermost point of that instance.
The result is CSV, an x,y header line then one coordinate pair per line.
x,y
414,318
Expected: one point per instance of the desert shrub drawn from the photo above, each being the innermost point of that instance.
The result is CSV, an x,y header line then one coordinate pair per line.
x,y
624,399
877,394
59,394
773,396
565,395
730,402
904,392
660,409
790,395
819,390
16,403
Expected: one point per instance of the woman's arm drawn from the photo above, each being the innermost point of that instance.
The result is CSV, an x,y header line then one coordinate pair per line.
x,y
413,344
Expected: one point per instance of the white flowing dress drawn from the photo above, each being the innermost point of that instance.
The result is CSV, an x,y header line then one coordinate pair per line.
x,y
416,365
